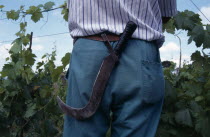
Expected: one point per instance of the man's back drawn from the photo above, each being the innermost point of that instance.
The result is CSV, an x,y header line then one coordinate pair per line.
x,y
89,17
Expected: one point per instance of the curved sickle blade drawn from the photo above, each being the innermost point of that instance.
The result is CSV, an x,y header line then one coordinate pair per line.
x,y
97,92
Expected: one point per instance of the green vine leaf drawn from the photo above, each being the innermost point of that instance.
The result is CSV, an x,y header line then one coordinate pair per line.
x,y
39,65
1,6
198,35
28,58
22,26
17,46
32,9
197,60
169,26
183,117
199,98
14,15
27,74
36,16
65,60
30,110
56,73
25,39
35,12
48,5
65,14
7,58
8,71
182,20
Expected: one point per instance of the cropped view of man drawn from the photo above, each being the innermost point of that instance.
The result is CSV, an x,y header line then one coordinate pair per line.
x,y
134,93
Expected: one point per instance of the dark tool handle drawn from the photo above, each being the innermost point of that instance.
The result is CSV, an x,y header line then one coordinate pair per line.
x,y
127,33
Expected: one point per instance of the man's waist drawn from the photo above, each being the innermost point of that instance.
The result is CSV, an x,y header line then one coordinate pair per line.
x,y
98,37
114,37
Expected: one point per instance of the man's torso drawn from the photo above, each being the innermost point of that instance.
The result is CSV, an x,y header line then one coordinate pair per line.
x,y
89,17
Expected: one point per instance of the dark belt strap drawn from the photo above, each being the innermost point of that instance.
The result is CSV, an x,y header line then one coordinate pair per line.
x,y
98,37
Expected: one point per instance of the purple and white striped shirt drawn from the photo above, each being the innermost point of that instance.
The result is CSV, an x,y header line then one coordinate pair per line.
x,y
89,17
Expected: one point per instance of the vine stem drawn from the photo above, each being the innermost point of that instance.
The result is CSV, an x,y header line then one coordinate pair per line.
x,y
30,42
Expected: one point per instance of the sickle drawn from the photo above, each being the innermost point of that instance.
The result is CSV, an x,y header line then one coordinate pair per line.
x,y
102,77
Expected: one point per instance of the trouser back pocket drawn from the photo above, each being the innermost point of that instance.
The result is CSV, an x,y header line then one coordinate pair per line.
x,y
153,83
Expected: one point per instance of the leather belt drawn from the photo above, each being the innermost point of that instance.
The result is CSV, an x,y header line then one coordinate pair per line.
x,y
98,37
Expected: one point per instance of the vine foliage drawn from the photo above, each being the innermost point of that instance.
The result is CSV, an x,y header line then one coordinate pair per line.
x,y
28,96
186,111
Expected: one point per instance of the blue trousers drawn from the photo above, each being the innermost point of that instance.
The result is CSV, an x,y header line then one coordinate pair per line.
x,y
134,93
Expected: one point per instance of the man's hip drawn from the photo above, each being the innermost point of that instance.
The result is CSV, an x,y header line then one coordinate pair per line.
x,y
134,93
